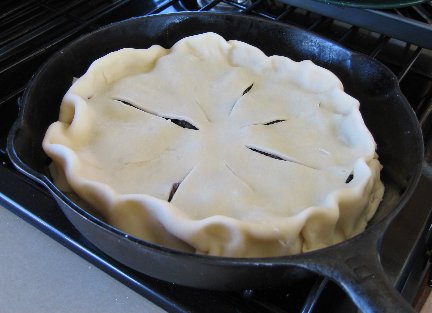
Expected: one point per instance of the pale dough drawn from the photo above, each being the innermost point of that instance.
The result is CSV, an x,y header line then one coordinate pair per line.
x,y
211,187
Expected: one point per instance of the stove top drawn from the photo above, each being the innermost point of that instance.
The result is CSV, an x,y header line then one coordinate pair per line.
x,y
32,30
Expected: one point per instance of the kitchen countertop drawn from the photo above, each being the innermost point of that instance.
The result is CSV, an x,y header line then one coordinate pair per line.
x,y
427,308
37,274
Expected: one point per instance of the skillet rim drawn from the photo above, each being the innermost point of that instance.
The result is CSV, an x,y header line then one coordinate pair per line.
x,y
378,228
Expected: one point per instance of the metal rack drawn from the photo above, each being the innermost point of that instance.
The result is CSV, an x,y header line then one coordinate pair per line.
x,y
32,30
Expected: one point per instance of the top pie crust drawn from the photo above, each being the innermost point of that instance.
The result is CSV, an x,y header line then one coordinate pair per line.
x,y
119,147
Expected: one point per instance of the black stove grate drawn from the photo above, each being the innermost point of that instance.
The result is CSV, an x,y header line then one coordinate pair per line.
x,y
32,30
29,32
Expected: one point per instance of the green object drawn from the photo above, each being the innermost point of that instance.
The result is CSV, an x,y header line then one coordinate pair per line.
x,y
372,4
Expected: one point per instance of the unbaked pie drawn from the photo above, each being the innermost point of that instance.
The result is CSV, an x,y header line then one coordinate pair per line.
x,y
212,146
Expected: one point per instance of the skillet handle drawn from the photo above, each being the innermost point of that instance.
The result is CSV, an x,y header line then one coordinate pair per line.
x,y
357,269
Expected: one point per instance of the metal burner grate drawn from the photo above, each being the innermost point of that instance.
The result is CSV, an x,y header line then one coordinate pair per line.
x,y
31,30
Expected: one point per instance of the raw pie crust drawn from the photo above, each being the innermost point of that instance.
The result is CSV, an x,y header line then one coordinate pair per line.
x,y
212,146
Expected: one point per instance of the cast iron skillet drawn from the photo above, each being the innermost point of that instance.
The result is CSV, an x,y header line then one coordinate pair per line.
x,y
353,264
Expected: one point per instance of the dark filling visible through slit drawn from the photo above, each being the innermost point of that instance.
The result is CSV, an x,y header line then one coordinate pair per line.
x,y
181,123
247,89
274,122
244,92
349,178
176,186
267,154
273,156
173,191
